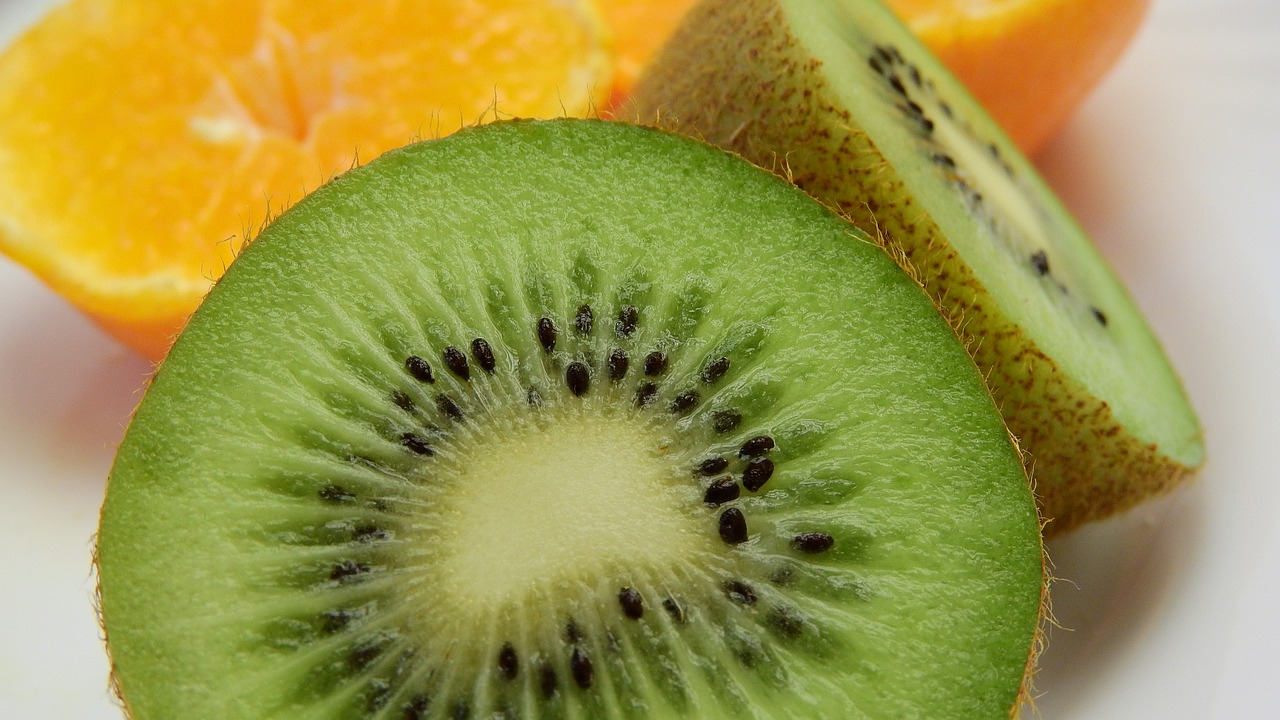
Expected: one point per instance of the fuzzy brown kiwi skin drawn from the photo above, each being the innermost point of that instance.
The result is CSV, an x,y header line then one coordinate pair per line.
x,y
1085,463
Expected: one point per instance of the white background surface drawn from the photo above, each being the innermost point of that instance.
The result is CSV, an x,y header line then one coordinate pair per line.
x,y
1171,612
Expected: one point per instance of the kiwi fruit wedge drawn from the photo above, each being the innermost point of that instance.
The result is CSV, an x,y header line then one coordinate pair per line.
x,y
568,419
839,97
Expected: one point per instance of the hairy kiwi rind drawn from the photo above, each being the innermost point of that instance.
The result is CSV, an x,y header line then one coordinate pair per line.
x,y
743,340
734,74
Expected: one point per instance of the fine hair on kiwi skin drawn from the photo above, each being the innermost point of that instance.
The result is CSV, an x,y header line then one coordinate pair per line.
x,y
323,506
838,97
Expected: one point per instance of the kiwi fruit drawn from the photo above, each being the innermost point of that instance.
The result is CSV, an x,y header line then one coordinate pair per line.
x,y
567,419
839,97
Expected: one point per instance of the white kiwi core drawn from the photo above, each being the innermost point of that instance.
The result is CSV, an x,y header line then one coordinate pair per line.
x,y
560,501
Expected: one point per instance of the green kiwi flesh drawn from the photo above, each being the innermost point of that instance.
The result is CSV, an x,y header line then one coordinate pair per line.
x,y
839,97
396,466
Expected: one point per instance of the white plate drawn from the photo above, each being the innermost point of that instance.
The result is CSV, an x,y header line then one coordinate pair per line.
x,y
1168,612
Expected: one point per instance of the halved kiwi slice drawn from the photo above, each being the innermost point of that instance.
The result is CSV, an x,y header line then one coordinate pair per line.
x,y
567,419
838,96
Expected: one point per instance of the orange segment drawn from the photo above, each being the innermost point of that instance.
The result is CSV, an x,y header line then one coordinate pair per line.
x,y
144,141
1030,62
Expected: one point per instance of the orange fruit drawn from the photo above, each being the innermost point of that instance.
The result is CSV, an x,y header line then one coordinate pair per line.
x,y
639,28
1030,62
142,142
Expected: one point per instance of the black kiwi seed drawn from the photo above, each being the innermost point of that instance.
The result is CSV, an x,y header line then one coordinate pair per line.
x,y
457,362
757,473
483,354
419,369
547,680
733,526
416,708
813,542
1099,316
786,622
336,494
631,602
721,491
898,87
448,406
944,160
726,421
334,620
547,334
712,466
646,393
628,318
578,378
673,609
572,633
655,363
417,444
1040,262
618,365
740,592
580,665
346,569
363,654
508,663
461,710
368,532
875,65
402,401
584,320
758,445
715,370
685,402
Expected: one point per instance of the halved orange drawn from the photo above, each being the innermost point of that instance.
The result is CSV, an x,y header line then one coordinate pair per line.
x,y
1030,62
143,142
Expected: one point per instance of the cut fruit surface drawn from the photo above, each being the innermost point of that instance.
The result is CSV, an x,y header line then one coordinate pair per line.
x,y
567,419
144,142
838,96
